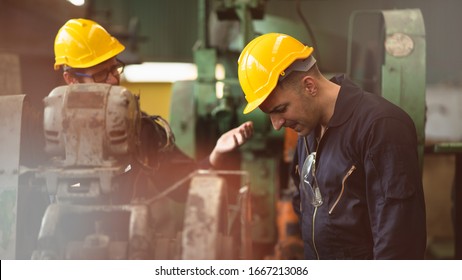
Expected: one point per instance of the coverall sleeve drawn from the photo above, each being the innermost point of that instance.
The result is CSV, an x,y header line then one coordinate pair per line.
x,y
394,191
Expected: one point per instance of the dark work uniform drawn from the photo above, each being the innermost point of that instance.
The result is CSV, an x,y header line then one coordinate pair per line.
x,y
368,173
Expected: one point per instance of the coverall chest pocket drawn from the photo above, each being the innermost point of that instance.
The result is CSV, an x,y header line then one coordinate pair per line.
x,y
343,188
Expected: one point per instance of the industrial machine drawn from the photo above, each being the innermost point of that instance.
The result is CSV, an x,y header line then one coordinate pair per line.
x,y
391,61
91,134
211,105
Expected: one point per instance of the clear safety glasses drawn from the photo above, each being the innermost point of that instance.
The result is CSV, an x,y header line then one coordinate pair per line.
x,y
101,76
310,185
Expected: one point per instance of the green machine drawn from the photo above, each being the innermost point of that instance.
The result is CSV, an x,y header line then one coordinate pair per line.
x,y
398,71
210,106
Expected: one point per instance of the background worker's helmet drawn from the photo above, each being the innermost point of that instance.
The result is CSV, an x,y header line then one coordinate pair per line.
x,y
83,43
263,61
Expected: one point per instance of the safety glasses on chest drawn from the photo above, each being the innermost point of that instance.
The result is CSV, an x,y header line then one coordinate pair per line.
x,y
310,186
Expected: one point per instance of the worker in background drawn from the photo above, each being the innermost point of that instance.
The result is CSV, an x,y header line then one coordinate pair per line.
x,y
360,192
87,53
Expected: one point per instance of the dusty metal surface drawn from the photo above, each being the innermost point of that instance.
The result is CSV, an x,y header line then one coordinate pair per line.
x,y
10,74
205,219
91,131
10,139
90,124
404,67
94,232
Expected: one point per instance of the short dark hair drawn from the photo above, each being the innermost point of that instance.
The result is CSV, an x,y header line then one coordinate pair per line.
x,y
293,77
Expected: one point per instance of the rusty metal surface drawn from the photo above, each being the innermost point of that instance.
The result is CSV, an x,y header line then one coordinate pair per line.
x,y
90,131
205,218
245,219
94,232
10,74
90,124
10,136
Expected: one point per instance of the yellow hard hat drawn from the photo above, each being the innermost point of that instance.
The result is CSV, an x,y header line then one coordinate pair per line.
x,y
82,43
263,61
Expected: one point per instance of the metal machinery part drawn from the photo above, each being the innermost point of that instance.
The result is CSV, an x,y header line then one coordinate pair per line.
x,y
209,223
214,226
10,136
90,131
10,74
22,199
90,125
400,64
21,205
455,148
206,114
203,233
403,82
90,134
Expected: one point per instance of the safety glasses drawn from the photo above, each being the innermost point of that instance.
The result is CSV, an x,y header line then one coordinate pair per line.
x,y
310,185
101,76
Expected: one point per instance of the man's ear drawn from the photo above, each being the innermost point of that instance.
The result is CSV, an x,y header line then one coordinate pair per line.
x,y
310,85
69,79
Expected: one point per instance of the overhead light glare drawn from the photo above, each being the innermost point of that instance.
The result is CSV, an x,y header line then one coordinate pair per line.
x,y
167,72
77,2
160,72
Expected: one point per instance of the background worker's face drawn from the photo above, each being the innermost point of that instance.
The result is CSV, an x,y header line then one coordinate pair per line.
x,y
292,107
107,72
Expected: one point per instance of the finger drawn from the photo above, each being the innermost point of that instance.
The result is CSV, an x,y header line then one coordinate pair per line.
x,y
236,142
248,129
246,132
242,132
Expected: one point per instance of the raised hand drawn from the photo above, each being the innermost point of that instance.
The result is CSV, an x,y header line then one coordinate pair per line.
x,y
230,141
